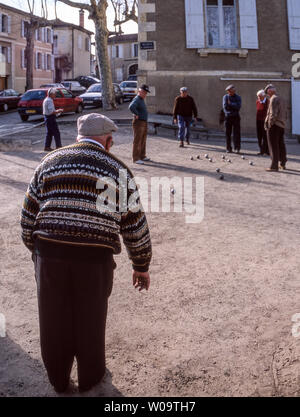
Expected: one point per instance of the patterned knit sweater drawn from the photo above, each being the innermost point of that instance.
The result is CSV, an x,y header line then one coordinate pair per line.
x,y
61,204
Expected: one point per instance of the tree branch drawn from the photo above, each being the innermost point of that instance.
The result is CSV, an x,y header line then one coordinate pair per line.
x,y
76,4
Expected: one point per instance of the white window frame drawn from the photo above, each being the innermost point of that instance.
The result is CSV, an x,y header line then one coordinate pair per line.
x,y
221,26
8,23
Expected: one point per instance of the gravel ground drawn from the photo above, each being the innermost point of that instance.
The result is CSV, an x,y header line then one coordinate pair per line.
x,y
217,320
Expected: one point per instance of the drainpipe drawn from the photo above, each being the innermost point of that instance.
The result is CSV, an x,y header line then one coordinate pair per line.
x,y
72,53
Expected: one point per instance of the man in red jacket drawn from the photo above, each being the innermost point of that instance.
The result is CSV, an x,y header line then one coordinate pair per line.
x,y
262,104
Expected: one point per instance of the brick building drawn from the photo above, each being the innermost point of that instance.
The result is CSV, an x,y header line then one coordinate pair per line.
x,y
208,44
123,53
12,51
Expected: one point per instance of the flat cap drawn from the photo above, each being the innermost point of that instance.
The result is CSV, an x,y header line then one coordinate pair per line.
x,y
145,87
183,89
269,86
95,124
229,87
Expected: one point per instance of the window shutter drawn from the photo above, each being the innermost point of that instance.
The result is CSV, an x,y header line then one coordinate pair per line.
x,y
0,22
1,60
36,60
294,24
52,62
51,36
132,50
23,58
194,24
36,34
248,24
121,51
9,55
8,24
22,29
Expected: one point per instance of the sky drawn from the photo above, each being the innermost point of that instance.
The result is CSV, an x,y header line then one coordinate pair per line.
x,y
70,14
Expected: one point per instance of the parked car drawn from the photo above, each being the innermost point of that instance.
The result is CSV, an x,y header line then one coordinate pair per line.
x,y
85,80
9,99
93,95
129,89
52,85
74,87
132,77
31,102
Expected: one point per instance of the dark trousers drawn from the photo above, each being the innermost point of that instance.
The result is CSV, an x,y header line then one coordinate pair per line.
x,y
140,128
184,124
52,130
277,147
73,297
262,137
233,123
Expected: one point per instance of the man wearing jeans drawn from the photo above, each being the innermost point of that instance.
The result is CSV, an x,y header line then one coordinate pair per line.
x,y
50,113
183,111
275,125
231,105
139,124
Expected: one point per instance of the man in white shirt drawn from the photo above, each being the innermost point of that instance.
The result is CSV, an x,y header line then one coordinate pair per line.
x,y
50,113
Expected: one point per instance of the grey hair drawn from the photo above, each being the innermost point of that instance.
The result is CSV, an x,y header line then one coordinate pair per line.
x,y
260,93
51,91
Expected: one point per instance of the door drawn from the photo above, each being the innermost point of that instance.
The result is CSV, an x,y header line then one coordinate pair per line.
x,y
69,102
295,107
59,101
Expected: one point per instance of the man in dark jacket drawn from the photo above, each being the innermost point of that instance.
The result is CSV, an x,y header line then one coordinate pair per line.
x,y
183,111
71,220
231,105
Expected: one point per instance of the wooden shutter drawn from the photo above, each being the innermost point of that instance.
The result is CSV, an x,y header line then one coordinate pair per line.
x,y
194,24
1,59
23,29
0,22
36,60
8,24
248,24
9,55
23,58
52,62
294,23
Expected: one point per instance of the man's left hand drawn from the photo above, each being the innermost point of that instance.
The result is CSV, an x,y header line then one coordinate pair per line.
x,y
141,280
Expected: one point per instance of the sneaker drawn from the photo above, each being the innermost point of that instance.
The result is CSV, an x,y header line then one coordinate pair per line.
x,y
139,161
146,159
48,149
272,170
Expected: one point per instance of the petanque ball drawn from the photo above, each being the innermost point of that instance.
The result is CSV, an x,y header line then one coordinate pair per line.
x,y
221,177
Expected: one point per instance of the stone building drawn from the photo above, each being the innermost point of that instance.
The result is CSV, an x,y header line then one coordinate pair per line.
x,y
12,51
72,49
123,53
208,44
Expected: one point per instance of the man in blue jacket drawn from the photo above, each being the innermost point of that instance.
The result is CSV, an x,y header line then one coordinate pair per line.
x,y
232,104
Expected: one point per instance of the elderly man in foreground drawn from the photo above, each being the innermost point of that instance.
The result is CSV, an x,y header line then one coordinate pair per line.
x,y
275,125
71,224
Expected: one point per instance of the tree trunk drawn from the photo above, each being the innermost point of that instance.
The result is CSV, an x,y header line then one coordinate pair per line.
x,y
29,56
101,40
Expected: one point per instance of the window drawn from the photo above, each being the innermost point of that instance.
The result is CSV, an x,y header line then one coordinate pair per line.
x,y
221,24
55,41
67,93
87,44
5,54
23,59
135,50
4,23
39,59
79,42
24,28
48,63
48,37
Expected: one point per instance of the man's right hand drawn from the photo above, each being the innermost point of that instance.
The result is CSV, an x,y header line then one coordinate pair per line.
x,y
141,280
175,121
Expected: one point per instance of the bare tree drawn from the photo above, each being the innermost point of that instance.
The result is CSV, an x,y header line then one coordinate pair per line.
x,y
34,23
125,10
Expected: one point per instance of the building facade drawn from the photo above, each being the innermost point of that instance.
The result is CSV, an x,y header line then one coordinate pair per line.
x,y
72,49
208,44
12,51
123,54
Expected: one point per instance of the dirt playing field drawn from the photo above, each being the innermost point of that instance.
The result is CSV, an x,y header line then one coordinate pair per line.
x,y
217,320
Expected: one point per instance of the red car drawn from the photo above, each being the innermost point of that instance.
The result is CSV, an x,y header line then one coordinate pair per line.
x,y
9,99
31,102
